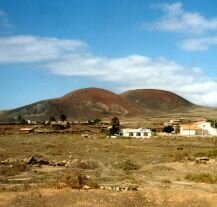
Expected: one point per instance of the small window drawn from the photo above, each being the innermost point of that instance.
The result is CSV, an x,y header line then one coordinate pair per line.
x,y
131,134
145,134
138,134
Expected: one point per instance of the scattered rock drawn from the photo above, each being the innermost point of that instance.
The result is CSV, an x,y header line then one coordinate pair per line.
x,y
32,161
123,187
43,162
201,160
86,187
60,164
80,163
85,135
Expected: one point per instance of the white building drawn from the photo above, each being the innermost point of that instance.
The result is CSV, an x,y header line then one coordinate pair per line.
x,y
137,133
207,128
197,128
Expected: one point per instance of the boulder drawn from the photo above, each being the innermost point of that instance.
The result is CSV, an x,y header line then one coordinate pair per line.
x,y
203,160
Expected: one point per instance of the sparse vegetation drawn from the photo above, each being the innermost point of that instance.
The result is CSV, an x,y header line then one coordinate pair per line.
x,y
211,154
85,164
94,163
127,165
179,156
13,169
75,180
37,198
166,181
202,178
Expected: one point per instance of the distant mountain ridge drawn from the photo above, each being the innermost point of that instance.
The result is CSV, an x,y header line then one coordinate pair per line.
x,y
91,103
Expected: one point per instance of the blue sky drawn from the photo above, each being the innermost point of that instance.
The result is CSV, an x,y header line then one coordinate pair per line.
x,y
49,48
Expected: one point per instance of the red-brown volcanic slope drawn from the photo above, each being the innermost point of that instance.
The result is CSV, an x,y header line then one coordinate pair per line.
x,y
91,103
156,100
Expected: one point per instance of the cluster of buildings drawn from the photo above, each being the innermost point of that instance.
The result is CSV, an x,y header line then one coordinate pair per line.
x,y
180,127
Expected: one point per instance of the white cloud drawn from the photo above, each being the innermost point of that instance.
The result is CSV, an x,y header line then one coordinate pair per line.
x,y
176,19
198,44
24,49
72,58
137,71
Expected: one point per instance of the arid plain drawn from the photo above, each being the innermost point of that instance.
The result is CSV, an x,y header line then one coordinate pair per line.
x,y
70,170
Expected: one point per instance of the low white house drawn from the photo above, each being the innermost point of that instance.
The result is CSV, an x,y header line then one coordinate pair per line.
x,y
137,133
197,128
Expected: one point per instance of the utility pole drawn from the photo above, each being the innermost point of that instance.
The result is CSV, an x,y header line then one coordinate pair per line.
x,y
189,129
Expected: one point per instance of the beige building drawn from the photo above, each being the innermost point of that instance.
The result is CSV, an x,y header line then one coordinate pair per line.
x,y
197,128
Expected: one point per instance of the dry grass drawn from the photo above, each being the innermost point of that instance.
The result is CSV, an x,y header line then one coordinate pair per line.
x,y
104,161
211,154
75,180
85,164
166,181
179,156
127,165
13,169
201,178
64,198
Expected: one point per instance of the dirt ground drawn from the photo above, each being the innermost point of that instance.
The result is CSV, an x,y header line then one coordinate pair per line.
x,y
165,170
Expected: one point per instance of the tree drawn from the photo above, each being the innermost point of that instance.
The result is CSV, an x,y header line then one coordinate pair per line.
x,y
97,121
213,123
52,118
168,129
21,120
63,117
115,129
115,122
